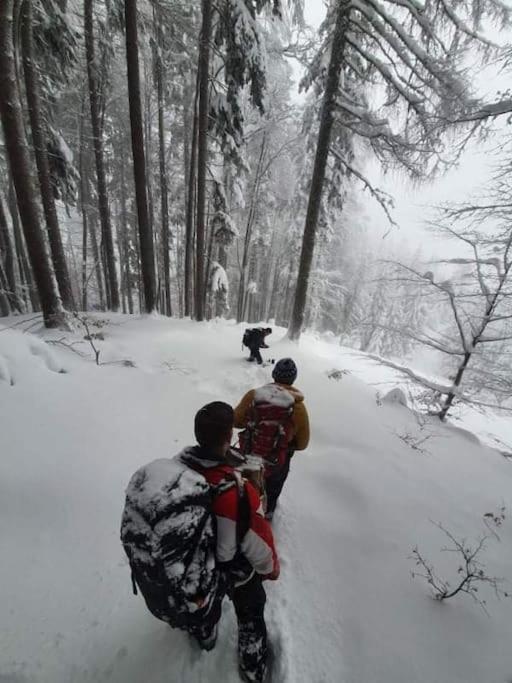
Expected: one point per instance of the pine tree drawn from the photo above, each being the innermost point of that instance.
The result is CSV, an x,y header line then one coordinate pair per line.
x,y
16,147
139,161
41,155
322,153
410,60
104,211
7,263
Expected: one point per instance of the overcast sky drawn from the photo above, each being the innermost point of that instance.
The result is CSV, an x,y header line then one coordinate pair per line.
x,y
412,203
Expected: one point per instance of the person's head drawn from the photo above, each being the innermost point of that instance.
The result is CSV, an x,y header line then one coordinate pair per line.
x,y
213,426
285,371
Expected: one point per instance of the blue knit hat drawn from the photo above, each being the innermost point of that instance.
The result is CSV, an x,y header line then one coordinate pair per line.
x,y
285,371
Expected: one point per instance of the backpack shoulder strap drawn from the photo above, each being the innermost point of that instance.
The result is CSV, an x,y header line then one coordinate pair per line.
x,y
244,510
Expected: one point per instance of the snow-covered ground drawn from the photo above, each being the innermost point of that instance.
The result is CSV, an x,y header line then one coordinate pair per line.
x,y
345,610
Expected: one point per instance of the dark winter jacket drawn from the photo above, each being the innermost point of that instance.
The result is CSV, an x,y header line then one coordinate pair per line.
x,y
256,338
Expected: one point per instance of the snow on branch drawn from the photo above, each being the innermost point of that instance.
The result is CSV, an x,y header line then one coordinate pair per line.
x,y
218,279
412,374
383,198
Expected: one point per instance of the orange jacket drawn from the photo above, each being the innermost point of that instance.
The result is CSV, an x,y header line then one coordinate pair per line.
x,y
300,420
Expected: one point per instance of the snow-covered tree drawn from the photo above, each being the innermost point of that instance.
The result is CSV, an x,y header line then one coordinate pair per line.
x,y
475,291
396,81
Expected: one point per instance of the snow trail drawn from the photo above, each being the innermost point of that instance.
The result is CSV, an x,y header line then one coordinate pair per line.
x,y
344,610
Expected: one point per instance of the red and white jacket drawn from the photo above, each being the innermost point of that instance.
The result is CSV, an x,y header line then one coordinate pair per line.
x,y
257,544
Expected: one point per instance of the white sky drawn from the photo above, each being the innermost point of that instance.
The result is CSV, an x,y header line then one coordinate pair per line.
x,y
412,203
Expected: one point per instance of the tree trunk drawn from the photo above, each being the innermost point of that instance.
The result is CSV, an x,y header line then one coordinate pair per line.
x,y
181,245
126,244
146,117
97,261
318,177
208,305
242,294
122,271
191,201
7,260
26,281
273,306
41,156
84,202
85,228
164,201
107,239
19,161
202,152
456,383
139,161
5,308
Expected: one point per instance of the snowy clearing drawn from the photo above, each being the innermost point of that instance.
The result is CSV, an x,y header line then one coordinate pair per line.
x,y
357,502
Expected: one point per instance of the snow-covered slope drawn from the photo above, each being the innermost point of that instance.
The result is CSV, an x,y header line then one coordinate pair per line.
x,y
345,610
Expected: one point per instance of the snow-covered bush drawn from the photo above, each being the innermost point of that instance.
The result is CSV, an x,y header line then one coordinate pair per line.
x,y
471,572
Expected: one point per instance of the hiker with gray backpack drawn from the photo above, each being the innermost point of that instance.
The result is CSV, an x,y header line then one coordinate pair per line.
x,y
194,531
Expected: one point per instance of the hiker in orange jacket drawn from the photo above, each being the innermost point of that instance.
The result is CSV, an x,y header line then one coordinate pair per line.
x,y
275,424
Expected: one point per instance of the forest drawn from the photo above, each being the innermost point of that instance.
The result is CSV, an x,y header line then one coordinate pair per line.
x,y
211,160
325,185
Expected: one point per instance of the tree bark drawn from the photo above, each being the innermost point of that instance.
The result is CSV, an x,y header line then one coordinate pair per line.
x,y
242,294
191,201
97,260
456,383
41,156
28,289
202,152
208,303
107,239
85,229
139,161
318,177
7,260
19,161
126,244
164,201
5,307
122,271
84,201
148,175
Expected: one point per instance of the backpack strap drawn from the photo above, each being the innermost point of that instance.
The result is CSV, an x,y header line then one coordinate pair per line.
x,y
233,479
282,431
134,583
244,510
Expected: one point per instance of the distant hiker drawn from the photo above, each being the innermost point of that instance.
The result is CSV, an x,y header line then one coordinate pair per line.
x,y
275,424
254,339
194,531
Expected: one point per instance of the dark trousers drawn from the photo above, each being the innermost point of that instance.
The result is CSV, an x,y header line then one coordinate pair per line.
x,y
274,482
255,354
249,603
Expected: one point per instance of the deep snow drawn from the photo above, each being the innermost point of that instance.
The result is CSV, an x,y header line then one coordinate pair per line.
x,y
345,610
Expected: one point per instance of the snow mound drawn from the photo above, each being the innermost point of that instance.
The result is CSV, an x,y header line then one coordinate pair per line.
x,y
354,506
464,434
396,397
24,355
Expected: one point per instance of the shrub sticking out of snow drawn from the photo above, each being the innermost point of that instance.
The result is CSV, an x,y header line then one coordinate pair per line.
x,y
337,374
471,573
